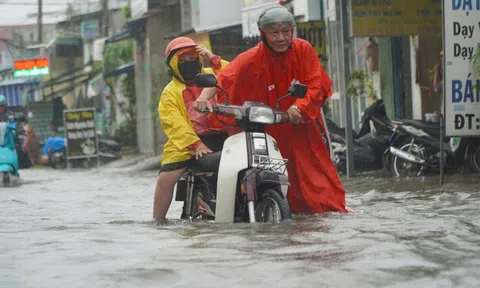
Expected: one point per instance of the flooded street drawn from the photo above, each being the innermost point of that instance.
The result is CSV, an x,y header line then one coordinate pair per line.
x,y
93,229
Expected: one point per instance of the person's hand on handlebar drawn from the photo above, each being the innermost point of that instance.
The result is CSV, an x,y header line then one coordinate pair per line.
x,y
202,106
295,115
202,150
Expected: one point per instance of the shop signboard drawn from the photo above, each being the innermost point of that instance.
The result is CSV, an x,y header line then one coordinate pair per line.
x,y
81,136
384,18
461,81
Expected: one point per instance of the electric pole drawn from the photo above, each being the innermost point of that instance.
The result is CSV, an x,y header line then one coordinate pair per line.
x,y
40,32
344,16
105,17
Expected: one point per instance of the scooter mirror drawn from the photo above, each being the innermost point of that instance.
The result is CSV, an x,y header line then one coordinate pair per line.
x,y
298,90
205,80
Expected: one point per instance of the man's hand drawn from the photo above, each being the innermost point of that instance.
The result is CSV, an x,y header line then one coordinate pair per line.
x,y
202,150
201,105
295,115
204,52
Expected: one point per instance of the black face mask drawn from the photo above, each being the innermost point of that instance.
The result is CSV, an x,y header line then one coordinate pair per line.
x,y
189,69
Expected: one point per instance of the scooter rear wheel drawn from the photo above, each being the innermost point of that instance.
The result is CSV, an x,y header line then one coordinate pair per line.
x,y
272,207
6,179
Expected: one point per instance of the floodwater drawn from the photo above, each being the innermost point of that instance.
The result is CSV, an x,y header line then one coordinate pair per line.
x,y
93,229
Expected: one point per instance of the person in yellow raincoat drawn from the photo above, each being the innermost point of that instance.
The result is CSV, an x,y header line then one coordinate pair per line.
x,y
189,132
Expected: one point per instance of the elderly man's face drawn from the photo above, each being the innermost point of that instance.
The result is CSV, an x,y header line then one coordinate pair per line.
x,y
279,36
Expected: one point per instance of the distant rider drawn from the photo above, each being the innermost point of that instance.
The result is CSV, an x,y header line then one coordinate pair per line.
x,y
5,114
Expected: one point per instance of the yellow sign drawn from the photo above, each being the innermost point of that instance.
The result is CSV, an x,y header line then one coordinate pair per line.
x,y
314,32
201,39
396,17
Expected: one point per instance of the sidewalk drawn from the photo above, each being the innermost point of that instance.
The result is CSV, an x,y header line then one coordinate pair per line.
x,y
135,163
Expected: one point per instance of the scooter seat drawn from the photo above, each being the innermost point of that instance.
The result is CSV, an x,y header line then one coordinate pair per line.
x,y
206,164
431,128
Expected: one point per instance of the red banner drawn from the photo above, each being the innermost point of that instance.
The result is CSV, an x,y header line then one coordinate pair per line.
x,y
31,63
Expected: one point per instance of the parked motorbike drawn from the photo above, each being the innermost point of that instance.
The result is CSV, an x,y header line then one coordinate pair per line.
x,y
55,148
247,181
370,142
416,148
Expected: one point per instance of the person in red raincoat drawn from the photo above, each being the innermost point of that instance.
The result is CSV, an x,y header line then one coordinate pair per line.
x,y
264,74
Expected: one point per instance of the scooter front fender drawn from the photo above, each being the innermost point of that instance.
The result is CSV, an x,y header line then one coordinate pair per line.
x,y
234,159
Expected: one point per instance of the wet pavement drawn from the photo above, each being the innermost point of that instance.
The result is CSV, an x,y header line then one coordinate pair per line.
x,y
93,229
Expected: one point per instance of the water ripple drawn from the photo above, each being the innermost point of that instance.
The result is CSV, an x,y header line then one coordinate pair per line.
x,y
93,229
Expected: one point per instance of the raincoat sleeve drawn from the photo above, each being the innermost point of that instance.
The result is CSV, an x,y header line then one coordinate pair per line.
x,y
216,65
178,129
229,79
318,83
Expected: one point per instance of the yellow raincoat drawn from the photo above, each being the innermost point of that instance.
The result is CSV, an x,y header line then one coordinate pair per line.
x,y
175,119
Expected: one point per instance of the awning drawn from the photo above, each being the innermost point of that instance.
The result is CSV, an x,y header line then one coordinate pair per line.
x,y
18,90
119,37
133,24
120,70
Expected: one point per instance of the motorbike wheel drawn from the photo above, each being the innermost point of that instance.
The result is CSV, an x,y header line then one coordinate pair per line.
x,y
475,159
6,179
272,207
404,168
57,159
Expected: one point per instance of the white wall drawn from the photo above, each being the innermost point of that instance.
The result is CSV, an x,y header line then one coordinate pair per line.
x,y
7,60
307,10
216,14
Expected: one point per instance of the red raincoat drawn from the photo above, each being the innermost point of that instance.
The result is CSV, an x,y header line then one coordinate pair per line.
x,y
262,75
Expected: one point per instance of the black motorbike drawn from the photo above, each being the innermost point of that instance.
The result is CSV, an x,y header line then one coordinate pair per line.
x,y
415,149
108,149
368,144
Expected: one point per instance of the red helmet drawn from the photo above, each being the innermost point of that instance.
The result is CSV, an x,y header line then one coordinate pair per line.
x,y
178,43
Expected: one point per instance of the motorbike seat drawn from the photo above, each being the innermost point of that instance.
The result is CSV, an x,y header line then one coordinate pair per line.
x,y
108,142
431,128
208,163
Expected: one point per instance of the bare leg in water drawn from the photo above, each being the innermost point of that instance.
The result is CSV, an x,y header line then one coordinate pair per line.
x,y
164,192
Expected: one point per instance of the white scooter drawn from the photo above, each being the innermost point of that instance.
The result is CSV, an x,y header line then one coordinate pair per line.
x,y
247,181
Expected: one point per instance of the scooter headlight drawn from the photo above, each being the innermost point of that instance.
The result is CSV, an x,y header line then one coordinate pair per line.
x,y
259,114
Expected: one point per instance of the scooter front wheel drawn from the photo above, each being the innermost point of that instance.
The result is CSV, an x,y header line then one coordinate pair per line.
x,y
272,207
6,179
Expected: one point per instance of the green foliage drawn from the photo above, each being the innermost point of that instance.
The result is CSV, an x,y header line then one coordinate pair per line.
x,y
70,11
126,11
129,109
431,75
126,134
115,55
356,83
475,65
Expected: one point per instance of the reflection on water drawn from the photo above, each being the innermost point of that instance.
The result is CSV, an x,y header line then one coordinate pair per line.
x,y
93,229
